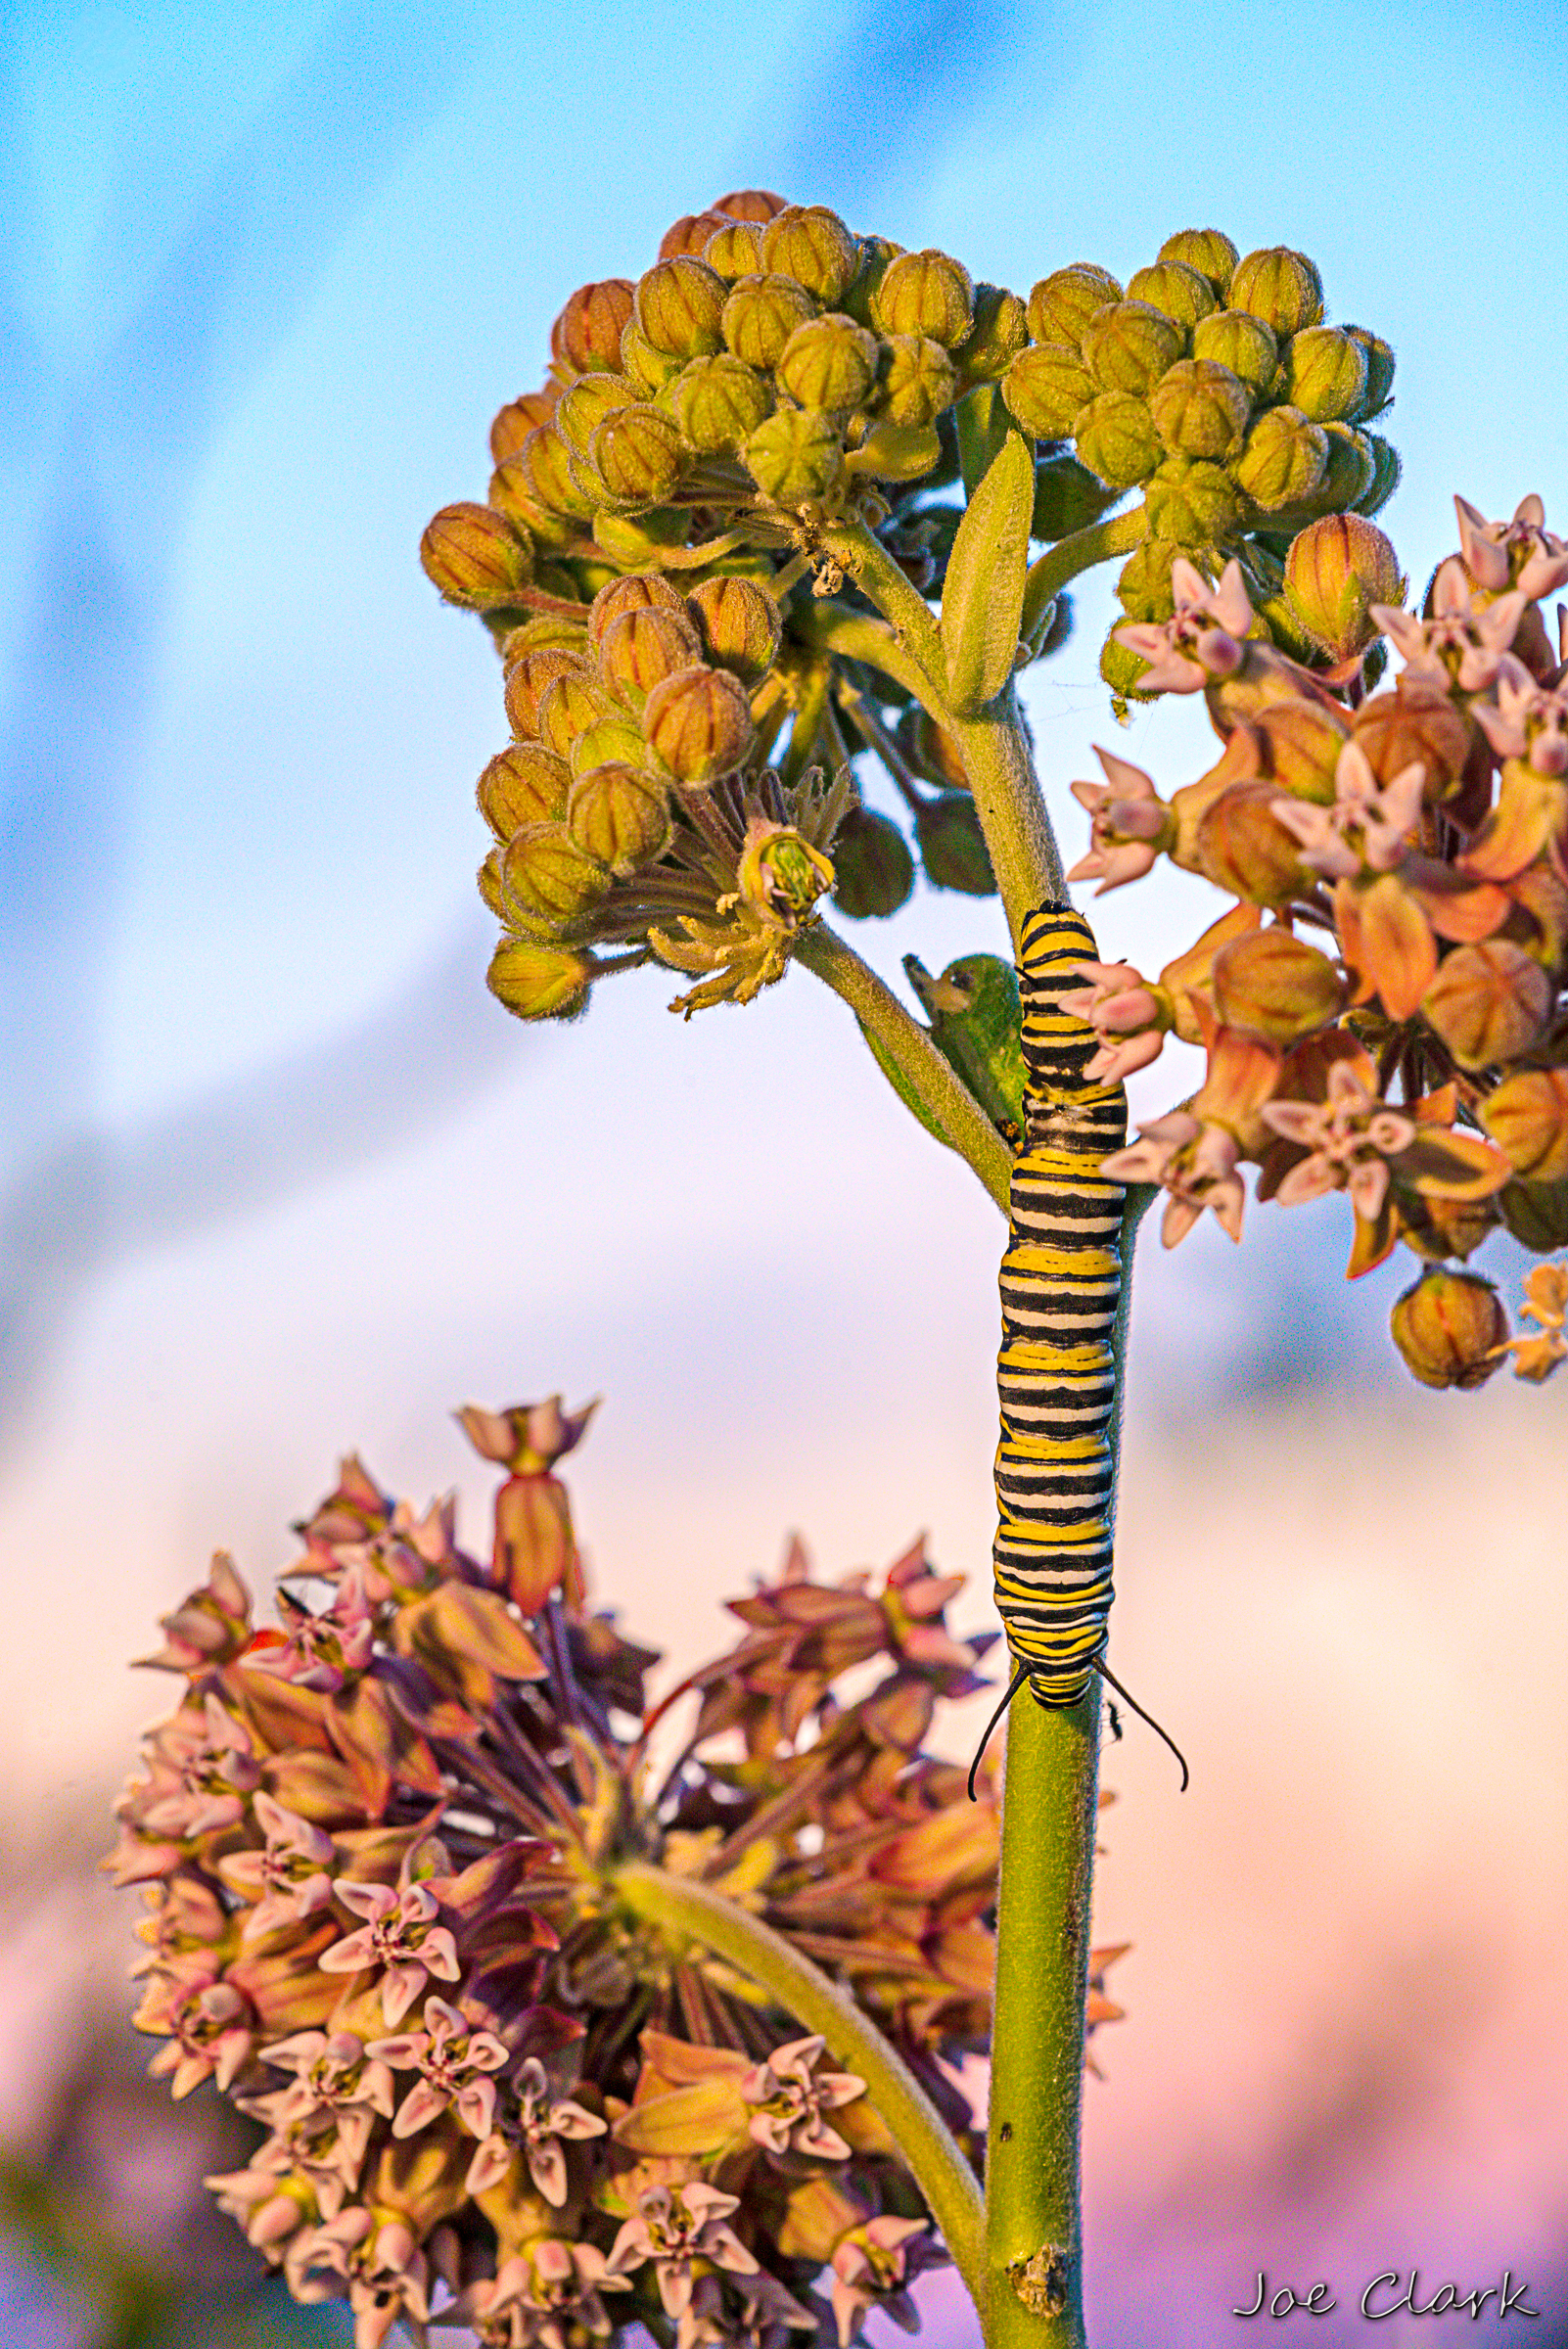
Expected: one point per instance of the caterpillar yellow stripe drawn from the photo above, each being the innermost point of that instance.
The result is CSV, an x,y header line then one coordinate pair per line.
x,y
1061,1284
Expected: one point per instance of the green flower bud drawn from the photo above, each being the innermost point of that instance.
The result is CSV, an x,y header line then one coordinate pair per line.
x,y
524,785
583,406
1243,847
1325,373
750,204
512,494
1489,1003
873,871
760,316
648,369
1200,410
519,417
1046,389
1122,668
1067,497
829,363
1209,251
540,982
1280,287
1527,1117
811,244
642,648
1335,569
620,815
638,455
530,677
698,723
1450,1328
476,557
735,249
1193,503
642,592
718,402
546,875
741,624
1379,358
490,885
1386,471
1234,339
689,234
1349,473
1061,306
952,846
921,380
586,335
1144,586
571,702
1272,985
1117,440
999,332
1178,292
544,629
871,267
897,452
925,294
679,307
1285,460
1129,346
547,467
610,739
795,455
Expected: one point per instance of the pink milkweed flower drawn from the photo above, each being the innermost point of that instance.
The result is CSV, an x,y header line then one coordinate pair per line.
x,y
1465,638
268,2201
454,2060
542,2122
331,2072
1195,1163
870,2265
789,2096
208,1627
1370,825
1202,641
548,2294
1349,1139
767,2314
322,1651
674,2227
1129,823
1523,550
386,2275
201,1772
1526,718
400,1935
210,2023
1125,1014
288,1880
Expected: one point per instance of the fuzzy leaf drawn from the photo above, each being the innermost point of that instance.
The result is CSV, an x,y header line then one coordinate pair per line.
x,y
983,602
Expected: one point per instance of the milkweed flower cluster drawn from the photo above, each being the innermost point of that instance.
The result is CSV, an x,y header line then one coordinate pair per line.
x,y
762,435
378,1845
1382,1009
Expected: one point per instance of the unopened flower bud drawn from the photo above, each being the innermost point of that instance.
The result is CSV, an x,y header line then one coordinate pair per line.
x,y
1272,985
735,249
608,740
1234,339
829,363
583,406
1209,251
718,402
1301,742
511,493
1335,569
1348,473
760,314
1067,497
1193,503
641,591
1450,1328
699,723
545,464
794,455
476,557
650,370
1129,346
638,455
952,846
1061,306
1243,847
1284,459
1047,387
530,677
642,648
750,204
873,871
1114,436
545,873
1488,1002
1000,331
620,815
1280,287
919,382
925,294
1416,721
525,785
1178,292
1325,373
811,244
689,234
517,420
1527,1117
741,624
1379,386
1144,586
1200,410
538,982
587,333
1386,470
569,704
679,307
1537,1214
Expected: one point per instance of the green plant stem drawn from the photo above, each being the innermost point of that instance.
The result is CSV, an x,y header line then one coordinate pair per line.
x,y
1011,807
925,1080
1061,564
870,565
804,1990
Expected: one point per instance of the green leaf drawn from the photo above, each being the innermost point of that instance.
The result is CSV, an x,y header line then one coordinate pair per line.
x,y
983,602
901,1086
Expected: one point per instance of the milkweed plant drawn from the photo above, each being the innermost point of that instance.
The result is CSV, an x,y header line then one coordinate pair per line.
x,y
558,2013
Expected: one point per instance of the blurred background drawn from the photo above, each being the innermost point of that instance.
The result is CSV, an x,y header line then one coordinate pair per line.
x,y
278,1177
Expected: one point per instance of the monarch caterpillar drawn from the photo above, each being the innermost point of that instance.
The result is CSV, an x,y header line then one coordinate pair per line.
x,y
1061,1286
